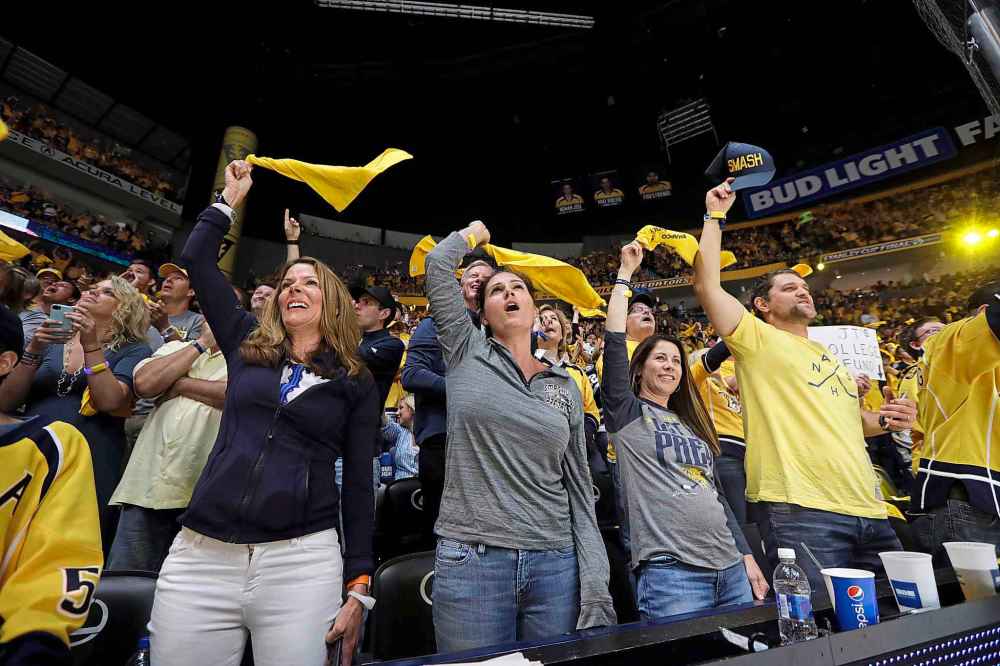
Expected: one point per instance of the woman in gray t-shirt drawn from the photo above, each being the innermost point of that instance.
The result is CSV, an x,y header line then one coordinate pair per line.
x,y
519,554
688,551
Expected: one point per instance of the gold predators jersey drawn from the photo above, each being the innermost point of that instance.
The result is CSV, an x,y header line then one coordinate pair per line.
x,y
51,557
959,414
724,407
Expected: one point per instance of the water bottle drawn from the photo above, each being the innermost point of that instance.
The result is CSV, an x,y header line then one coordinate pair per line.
x,y
387,468
141,656
791,586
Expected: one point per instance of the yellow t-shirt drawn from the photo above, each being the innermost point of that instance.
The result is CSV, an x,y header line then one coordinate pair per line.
x,y
396,391
958,407
805,442
630,346
723,405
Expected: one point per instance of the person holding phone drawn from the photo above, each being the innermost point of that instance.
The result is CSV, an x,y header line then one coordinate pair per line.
x,y
78,369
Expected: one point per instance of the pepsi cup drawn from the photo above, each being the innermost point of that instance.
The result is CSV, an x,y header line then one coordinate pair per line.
x,y
852,593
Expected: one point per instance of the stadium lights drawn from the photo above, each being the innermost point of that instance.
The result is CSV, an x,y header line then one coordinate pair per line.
x,y
993,233
972,238
820,266
475,12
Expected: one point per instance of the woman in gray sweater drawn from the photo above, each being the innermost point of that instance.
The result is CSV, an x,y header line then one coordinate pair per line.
x,y
688,551
519,554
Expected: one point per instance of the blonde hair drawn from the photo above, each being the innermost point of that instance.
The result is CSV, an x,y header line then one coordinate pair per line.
x,y
408,401
130,320
269,343
567,329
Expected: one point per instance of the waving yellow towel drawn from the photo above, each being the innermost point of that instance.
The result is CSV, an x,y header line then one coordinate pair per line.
x,y
685,245
338,185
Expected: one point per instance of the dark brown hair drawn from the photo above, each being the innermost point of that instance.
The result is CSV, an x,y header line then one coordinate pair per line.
x,y
481,296
762,288
685,401
909,334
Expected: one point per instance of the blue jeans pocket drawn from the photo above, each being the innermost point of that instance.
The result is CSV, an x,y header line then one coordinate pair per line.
x,y
452,553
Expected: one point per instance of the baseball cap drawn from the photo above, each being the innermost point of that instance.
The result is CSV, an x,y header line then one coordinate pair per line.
x,y
11,332
750,165
168,268
986,295
51,271
382,295
643,296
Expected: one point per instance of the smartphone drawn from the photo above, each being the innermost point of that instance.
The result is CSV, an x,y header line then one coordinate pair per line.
x,y
333,652
59,312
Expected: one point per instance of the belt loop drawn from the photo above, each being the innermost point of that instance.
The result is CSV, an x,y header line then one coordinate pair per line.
x,y
481,549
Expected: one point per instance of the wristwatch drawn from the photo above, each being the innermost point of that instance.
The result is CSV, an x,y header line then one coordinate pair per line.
x,y
200,347
219,199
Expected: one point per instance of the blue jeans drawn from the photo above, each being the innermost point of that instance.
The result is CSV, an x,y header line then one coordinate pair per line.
x,y
668,587
485,595
143,538
836,539
733,478
957,520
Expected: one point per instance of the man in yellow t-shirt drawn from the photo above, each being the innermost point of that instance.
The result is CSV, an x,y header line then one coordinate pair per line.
x,y
957,491
809,478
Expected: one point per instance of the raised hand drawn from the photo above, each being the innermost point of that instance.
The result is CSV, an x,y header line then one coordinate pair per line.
x,y
631,258
479,230
50,332
720,198
238,182
292,228
85,325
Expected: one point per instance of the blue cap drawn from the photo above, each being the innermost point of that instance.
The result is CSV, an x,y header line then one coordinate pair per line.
x,y
750,165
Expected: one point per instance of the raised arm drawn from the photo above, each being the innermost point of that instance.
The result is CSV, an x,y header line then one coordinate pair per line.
x,y
292,233
455,329
419,373
621,406
200,256
723,309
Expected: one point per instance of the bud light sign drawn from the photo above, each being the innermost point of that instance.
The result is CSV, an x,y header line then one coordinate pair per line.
x,y
855,602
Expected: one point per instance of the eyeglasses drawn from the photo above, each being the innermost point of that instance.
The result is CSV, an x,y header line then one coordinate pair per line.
x,y
641,309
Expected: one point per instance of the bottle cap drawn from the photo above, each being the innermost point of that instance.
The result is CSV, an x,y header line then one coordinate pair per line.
x,y
786,553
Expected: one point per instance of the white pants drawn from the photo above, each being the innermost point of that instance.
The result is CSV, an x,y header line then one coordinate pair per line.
x,y
210,593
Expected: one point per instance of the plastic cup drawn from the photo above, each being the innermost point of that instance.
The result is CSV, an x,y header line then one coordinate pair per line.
x,y
911,576
975,566
852,593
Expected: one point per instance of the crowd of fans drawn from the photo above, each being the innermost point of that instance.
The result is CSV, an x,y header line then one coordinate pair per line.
x,y
39,207
537,412
37,121
827,228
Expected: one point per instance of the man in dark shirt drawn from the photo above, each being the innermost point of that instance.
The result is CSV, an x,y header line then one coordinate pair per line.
x,y
376,308
423,375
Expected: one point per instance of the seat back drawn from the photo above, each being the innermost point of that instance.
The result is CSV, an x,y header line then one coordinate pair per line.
x,y
402,621
117,619
400,522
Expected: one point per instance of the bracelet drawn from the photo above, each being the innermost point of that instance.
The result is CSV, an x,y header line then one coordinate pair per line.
x,y
96,369
292,242
716,215
31,358
624,283
363,579
366,601
197,345
169,330
92,351
471,240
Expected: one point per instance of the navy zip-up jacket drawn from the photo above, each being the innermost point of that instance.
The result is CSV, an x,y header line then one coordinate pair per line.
x,y
382,353
270,474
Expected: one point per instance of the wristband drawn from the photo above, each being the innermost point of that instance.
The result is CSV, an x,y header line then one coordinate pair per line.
x,y
200,347
292,242
95,370
624,283
716,215
471,240
363,579
92,351
366,601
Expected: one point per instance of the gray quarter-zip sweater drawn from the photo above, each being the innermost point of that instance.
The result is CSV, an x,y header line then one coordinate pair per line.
x,y
516,472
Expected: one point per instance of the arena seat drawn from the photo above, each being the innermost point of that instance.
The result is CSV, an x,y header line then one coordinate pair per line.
x,y
402,624
399,520
117,619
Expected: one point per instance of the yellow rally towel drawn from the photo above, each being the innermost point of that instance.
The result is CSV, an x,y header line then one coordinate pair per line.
x,y
338,185
10,249
565,282
804,270
686,245
87,407
3,130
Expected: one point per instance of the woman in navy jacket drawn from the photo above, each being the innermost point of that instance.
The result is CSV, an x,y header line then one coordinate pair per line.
x,y
259,550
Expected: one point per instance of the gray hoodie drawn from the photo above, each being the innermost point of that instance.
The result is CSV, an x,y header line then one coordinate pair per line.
x,y
516,472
